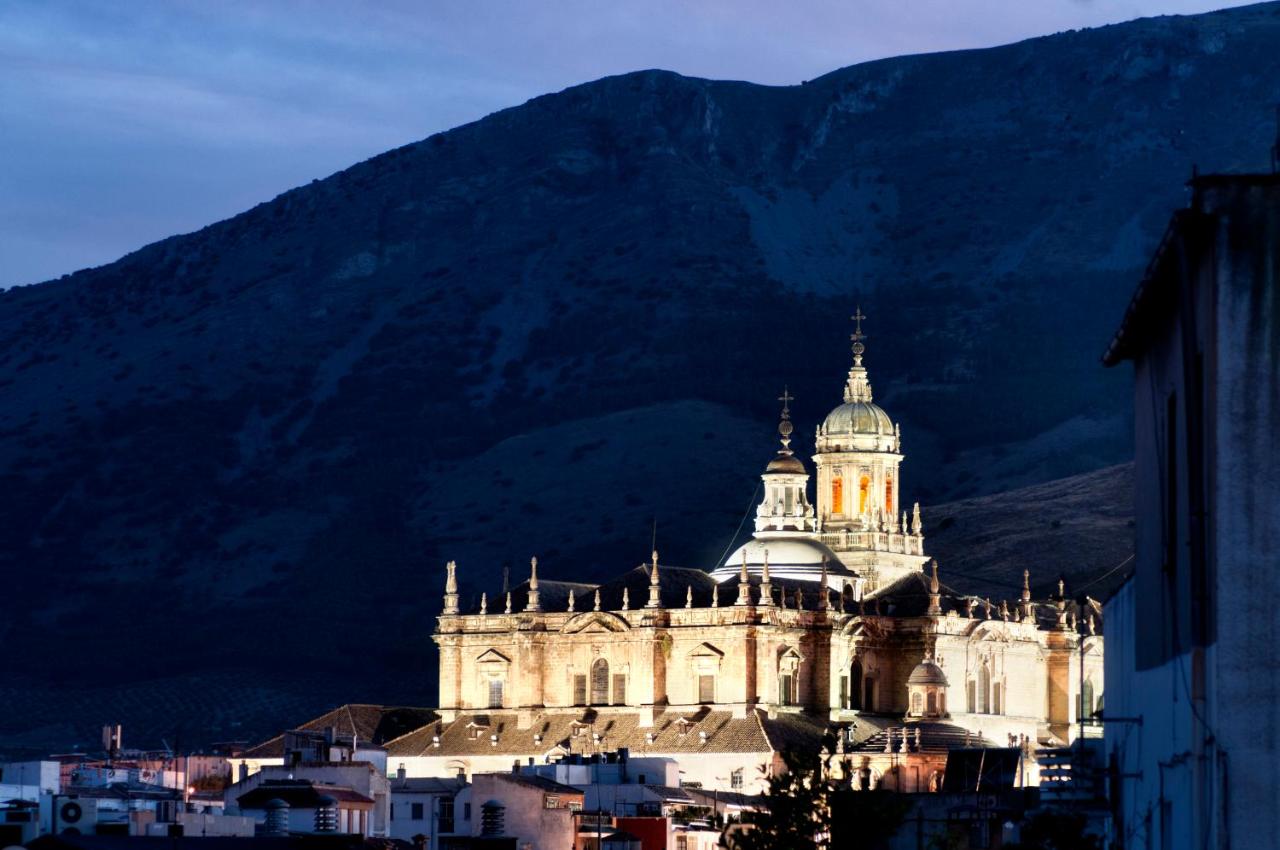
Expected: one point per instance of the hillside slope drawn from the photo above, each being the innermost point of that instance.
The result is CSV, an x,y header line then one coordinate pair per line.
x,y
540,332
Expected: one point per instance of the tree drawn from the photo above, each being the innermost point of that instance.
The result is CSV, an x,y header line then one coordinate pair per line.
x,y
796,814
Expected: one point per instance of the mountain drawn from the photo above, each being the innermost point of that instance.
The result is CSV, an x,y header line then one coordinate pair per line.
x,y
240,457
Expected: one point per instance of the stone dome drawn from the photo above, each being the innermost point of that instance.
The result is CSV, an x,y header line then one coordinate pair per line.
x,y
785,463
791,558
927,673
858,417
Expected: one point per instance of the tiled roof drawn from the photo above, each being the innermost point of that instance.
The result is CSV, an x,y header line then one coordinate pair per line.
x,y
673,588
553,596
723,799
672,732
427,785
302,795
123,791
934,738
667,794
370,724
542,782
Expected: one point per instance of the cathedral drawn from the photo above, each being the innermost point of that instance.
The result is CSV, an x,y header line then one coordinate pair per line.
x,y
831,620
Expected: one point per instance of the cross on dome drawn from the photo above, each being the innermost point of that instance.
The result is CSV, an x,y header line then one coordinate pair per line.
x,y
858,387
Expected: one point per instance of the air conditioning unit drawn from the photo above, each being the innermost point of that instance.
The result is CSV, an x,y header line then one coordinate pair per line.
x,y
75,815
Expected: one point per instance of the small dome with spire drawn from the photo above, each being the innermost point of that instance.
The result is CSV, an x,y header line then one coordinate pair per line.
x,y
785,462
927,673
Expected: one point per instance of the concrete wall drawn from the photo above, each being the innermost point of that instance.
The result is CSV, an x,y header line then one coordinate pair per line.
x,y
1192,639
527,817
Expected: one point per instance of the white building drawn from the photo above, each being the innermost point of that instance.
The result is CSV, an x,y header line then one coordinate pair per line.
x,y
1192,676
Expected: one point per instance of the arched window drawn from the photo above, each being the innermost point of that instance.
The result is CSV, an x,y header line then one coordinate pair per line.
x,y
837,495
600,682
864,487
933,702
997,699
1086,700
888,496
855,693
971,692
984,689
915,703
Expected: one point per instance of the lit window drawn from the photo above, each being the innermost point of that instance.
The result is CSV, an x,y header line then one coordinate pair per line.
x,y
888,496
837,495
864,487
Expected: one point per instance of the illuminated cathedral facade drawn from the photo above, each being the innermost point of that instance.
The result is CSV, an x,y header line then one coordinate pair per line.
x,y
830,621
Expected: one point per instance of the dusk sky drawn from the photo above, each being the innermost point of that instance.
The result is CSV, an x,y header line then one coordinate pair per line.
x,y
123,123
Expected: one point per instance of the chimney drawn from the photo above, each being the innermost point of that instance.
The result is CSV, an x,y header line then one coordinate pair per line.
x,y
401,772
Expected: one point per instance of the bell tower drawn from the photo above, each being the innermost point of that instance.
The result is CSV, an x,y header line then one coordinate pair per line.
x,y
859,494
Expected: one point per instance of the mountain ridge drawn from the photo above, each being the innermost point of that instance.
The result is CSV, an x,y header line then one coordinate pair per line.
x,y
538,333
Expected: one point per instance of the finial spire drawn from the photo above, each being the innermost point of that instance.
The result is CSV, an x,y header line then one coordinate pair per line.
x,y
655,597
451,588
744,582
484,604
766,588
571,600
688,597
1027,611
784,425
826,591
626,599
507,610
715,595
534,604
858,387
935,598
596,607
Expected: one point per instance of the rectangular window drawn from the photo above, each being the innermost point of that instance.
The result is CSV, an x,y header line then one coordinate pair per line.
x,y
844,692
551,802
619,688
786,689
580,690
495,693
415,811
735,780
682,842
706,689
971,696
446,815
996,699
392,811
